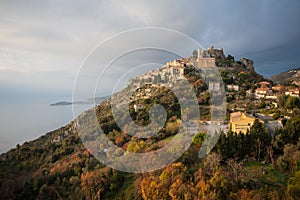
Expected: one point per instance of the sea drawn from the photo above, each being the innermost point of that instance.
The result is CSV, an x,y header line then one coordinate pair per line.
x,y
25,119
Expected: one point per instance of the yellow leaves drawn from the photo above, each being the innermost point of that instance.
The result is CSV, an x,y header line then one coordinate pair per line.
x,y
150,188
163,176
173,126
136,146
178,189
203,188
245,194
217,181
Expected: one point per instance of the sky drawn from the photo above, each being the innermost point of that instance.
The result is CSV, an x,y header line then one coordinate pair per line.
x,y
43,43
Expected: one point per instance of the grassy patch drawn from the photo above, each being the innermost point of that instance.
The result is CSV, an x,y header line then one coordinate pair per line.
x,y
266,174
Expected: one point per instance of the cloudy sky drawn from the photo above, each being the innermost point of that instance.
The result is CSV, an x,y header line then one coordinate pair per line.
x,y
43,43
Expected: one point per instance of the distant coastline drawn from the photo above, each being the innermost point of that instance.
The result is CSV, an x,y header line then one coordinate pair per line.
x,y
88,101
66,103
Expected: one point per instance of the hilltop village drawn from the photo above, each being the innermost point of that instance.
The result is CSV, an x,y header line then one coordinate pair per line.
x,y
249,95
176,70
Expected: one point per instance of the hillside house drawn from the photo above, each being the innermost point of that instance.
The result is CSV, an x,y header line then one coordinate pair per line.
x,y
232,87
278,88
264,84
241,122
262,92
138,107
292,92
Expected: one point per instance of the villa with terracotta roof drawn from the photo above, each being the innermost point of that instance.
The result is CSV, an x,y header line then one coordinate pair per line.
x,y
241,122
264,84
278,88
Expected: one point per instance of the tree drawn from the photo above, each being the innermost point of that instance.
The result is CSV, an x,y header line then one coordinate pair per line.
x,y
292,102
245,194
211,163
261,137
180,190
202,189
293,188
278,141
292,130
281,101
290,160
199,138
95,182
230,58
235,175
270,154
170,182
206,98
172,126
262,104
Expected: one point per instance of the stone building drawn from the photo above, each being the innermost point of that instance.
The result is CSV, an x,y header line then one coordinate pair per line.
x,y
241,122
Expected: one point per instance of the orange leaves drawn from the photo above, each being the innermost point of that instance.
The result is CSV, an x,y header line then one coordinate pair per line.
x,y
170,183
66,163
86,153
95,182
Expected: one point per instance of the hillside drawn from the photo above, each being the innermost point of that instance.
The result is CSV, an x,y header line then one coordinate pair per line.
x,y
290,76
256,165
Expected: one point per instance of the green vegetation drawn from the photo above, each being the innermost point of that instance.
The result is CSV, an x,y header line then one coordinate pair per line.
x,y
255,165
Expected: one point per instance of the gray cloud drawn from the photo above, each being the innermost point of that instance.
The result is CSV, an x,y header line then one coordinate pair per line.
x,y
43,43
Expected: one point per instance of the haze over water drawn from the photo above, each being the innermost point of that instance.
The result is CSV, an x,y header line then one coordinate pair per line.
x,y
27,118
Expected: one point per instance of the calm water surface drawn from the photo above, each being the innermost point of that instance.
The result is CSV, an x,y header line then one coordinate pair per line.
x,y
27,119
